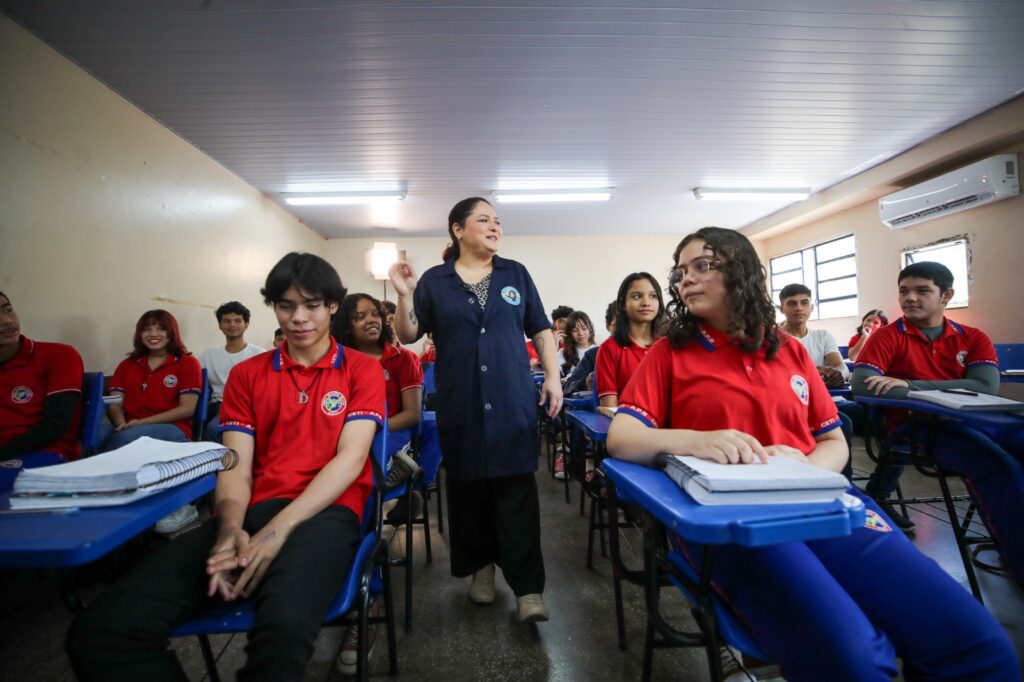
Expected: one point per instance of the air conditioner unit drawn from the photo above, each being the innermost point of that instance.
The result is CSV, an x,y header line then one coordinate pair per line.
x,y
980,183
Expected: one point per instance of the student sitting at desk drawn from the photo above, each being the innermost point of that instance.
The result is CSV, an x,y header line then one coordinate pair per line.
x,y
795,304
727,386
581,339
872,321
286,528
639,314
40,392
233,320
924,350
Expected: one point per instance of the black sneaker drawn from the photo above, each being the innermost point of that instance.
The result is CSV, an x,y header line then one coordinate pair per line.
x,y
399,514
401,468
899,519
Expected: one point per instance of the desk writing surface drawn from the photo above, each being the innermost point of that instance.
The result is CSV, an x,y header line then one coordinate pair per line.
x,y
46,540
747,525
976,418
595,425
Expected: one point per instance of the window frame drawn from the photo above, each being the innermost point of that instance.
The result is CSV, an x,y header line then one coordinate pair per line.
x,y
812,251
949,241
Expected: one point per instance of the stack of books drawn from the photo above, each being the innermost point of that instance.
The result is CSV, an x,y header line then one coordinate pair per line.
x,y
967,401
780,481
118,477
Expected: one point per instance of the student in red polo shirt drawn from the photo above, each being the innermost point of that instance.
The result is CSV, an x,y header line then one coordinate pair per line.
x,y
40,392
924,350
727,386
302,419
640,312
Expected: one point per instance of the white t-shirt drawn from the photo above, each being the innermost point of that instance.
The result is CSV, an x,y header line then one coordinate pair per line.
x,y
560,358
218,363
820,343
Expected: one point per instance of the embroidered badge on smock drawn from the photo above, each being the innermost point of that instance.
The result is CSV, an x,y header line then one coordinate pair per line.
x,y
511,295
170,381
333,403
387,376
874,521
799,386
961,357
21,394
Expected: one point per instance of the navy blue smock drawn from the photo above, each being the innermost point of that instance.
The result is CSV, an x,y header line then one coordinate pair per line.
x,y
486,399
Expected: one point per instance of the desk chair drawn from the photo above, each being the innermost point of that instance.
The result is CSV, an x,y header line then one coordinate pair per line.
x,y
368,574
202,413
404,490
431,480
92,412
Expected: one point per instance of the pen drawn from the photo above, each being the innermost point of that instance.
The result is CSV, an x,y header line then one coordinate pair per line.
x,y
957,391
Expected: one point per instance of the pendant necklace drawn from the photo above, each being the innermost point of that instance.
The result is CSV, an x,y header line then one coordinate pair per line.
x,y
303,397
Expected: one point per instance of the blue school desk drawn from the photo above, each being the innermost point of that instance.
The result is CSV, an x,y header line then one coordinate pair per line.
x,y
671,509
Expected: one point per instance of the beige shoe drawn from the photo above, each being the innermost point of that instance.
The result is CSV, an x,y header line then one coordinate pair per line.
x,y
532,609
481,590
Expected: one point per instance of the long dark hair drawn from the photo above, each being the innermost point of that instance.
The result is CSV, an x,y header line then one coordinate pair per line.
x,y
877,313
752,313
570,352
621,333
341,323
457,216
163,318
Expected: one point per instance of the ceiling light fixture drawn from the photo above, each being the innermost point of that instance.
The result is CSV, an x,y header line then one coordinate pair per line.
x,y
721,194
341,198
535,196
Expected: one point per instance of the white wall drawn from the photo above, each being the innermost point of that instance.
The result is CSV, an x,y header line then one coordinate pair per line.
x,y
581,272
105,213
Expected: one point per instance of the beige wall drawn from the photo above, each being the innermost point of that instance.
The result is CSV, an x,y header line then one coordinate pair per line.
x,y
995,236
582,272
105,213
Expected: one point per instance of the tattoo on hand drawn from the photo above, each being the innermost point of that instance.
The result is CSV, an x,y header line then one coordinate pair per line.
x,y
268,537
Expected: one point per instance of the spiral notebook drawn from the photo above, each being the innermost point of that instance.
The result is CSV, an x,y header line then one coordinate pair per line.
x,y
140,468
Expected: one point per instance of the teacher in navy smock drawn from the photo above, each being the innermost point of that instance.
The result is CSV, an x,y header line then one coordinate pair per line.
x,y
479,307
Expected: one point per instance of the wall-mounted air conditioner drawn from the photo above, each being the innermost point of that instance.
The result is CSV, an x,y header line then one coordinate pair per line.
x,y
980,183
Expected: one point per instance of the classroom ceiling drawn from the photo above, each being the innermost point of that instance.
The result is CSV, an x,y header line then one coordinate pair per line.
x,y
452,99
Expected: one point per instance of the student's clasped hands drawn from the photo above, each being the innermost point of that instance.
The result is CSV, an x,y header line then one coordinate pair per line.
x,y
237,562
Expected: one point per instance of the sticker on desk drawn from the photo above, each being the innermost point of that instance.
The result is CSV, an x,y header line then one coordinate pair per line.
x,y
11,464
874,521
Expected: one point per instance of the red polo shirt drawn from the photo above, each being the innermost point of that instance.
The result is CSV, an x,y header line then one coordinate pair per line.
x,y
39,370
293,440
901,350
616,365
152,391
713,384
401,371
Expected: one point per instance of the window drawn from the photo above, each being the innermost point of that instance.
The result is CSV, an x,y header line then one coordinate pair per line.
x,y
952,254
828,269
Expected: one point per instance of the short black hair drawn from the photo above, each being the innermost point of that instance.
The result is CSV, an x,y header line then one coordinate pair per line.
x,y
389,307
794,289
928,269
278,333
310,273
560,312
233,307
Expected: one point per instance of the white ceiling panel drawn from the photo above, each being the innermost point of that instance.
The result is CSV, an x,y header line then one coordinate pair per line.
x,y
447,100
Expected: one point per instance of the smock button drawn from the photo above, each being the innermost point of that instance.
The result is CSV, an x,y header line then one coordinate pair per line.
x,y
487,406
483,368
483,330
470,300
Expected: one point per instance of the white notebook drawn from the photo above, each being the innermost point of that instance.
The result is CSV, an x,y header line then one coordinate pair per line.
x,y
780,481
968,401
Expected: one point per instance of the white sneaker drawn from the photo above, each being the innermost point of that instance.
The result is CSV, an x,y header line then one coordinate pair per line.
x,y
481,590
177,520
532,609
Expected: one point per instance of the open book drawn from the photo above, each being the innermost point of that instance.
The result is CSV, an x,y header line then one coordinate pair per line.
x,y
968,401
780,481
138,469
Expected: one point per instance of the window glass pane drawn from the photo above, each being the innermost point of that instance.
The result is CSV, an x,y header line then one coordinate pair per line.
x,y
844,308
837,268
953,255
811,278
835,249
837,288
783,263
780,281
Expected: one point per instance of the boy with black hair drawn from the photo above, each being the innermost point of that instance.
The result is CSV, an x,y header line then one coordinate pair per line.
x,y
40,392
233,320
795,303
558,317
924,350
286,529
278,337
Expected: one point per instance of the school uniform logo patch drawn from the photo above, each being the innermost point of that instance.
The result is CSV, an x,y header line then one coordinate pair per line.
x,y
333,403
387,376
800,387
170,381
21,394
961,357
511,295
874,521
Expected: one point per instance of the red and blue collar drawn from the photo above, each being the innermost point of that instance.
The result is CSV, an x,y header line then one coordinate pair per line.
x,y
950,328
332,359
26,348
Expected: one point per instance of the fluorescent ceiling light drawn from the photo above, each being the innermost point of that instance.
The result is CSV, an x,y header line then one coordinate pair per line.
x,y
342,198
719,194
533,196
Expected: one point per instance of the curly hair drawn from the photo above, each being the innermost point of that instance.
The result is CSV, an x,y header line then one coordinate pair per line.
x,y
752,313
341,323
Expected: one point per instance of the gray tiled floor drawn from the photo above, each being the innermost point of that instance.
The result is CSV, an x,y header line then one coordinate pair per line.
x,y
454,640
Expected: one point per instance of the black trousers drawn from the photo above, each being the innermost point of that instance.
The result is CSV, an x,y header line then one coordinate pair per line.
x,y
123,635
497,521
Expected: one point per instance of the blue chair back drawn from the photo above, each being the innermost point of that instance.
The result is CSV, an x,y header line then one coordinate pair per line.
x,y
844,351
1011,355
202,413
92,412
429,387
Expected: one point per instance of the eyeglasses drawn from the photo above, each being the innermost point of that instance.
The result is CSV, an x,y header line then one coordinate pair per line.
x,y
700,266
